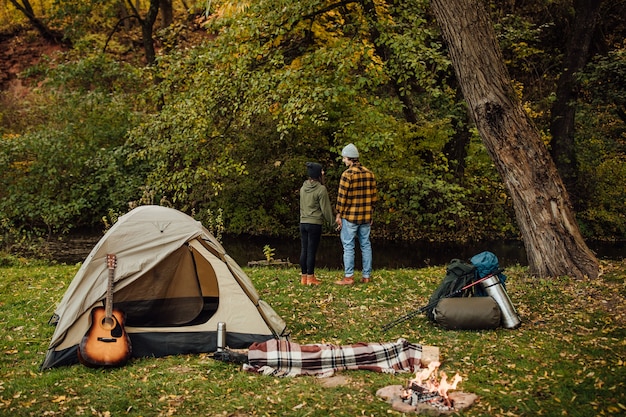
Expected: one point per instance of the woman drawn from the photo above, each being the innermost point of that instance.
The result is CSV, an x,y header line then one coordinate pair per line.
x,y
315,207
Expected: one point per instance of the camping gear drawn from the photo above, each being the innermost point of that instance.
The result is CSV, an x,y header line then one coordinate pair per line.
x,y
432,304
106,342
485,263
467,313
458,275
221,336
174,281
495,289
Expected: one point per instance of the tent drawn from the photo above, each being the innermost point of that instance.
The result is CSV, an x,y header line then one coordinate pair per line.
x,y
174,282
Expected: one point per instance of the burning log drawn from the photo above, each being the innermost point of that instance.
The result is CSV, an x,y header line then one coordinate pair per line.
x,y
413,396
427,393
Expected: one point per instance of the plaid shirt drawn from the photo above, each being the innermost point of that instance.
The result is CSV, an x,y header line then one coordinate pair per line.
x,y
357,194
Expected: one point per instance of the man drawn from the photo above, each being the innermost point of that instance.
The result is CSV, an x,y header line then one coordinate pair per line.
x,y
355,200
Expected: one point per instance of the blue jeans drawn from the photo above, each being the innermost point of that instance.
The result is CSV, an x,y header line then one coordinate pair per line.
x,y
349,233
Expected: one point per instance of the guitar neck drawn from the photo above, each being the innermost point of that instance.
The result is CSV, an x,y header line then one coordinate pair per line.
x,y
111,263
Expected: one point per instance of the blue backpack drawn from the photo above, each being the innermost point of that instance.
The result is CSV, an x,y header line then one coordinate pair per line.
x,y
486,263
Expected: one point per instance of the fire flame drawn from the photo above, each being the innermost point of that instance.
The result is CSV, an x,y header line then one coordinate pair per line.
x,y
427,378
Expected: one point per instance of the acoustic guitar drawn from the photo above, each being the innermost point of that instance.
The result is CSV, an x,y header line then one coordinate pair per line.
x,y
106,343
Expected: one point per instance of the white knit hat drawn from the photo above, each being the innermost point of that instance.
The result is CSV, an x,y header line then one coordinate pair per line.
x,y
350,151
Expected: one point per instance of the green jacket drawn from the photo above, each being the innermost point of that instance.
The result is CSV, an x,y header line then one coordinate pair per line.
x,y
315,204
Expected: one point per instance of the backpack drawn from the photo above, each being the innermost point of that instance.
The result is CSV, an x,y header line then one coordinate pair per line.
x,y
486,263
458,275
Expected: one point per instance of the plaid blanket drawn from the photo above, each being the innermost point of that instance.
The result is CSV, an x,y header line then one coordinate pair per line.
x,y
283,358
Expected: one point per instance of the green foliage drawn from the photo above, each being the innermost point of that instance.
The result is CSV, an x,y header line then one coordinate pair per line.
x,y
601,147
71,166
269,253
603,81
606,209
224,125
215,223
79,19
519,372
243,113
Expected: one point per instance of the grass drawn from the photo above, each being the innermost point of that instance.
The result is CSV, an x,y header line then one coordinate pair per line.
x,y
566,359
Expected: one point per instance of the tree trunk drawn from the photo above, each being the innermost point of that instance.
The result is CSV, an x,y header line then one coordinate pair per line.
x,y
147,25
564,108
167,13
45,32
455,149
554,244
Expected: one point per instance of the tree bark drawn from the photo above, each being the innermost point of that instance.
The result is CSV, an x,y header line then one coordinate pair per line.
x,y
554,244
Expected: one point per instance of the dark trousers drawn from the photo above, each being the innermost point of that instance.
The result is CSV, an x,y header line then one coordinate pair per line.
x,y
310,235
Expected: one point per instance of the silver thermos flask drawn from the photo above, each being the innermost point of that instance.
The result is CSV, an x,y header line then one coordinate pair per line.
x,y
495,290
221,336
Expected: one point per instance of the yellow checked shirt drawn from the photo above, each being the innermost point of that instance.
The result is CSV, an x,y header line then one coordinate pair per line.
x,y
357,194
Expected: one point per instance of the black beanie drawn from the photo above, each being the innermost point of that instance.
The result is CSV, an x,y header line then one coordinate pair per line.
x,y
314,170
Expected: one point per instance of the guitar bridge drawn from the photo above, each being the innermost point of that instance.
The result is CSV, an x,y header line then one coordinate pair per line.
x,y
107,339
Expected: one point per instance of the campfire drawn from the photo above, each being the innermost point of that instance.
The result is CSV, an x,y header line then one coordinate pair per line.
x,y
430,392
425,388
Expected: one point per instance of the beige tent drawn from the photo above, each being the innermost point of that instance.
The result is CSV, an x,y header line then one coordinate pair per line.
x,y
174,282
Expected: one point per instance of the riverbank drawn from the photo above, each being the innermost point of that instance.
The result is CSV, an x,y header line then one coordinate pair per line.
x,y
387,254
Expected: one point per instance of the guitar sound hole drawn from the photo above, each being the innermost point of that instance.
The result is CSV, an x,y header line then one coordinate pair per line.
x,y
108,323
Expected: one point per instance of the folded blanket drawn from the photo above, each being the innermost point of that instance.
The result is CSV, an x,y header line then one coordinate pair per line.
x,y
283,358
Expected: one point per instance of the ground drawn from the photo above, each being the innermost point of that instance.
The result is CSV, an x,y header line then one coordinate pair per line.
x,y
23,47
19,50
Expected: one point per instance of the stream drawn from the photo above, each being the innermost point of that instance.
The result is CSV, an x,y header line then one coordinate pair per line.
x,y
387,254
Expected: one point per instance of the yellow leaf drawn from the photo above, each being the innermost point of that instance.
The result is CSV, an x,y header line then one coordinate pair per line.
x,y
58,399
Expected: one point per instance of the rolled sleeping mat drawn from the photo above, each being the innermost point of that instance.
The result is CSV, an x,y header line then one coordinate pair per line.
x,y
467,313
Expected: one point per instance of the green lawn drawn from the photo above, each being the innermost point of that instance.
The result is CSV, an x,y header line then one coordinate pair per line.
x,y
566,359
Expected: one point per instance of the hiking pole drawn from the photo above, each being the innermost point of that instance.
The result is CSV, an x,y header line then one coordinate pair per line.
x,y
420,310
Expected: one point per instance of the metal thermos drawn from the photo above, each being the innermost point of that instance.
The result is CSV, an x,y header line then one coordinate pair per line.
x,y
495,290
221,336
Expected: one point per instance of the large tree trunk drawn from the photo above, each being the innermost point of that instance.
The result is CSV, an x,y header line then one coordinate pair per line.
x,y
553,241
564,109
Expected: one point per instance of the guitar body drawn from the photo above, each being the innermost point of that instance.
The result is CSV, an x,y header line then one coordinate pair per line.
x,y
106,343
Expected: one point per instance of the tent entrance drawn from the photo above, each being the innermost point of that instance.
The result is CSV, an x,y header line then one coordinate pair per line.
x,y
179,291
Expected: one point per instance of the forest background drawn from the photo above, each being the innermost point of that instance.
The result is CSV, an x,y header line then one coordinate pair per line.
x,y
214,107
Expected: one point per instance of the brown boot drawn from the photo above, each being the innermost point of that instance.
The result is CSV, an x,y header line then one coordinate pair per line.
x,y
345,281
311,280
303,279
